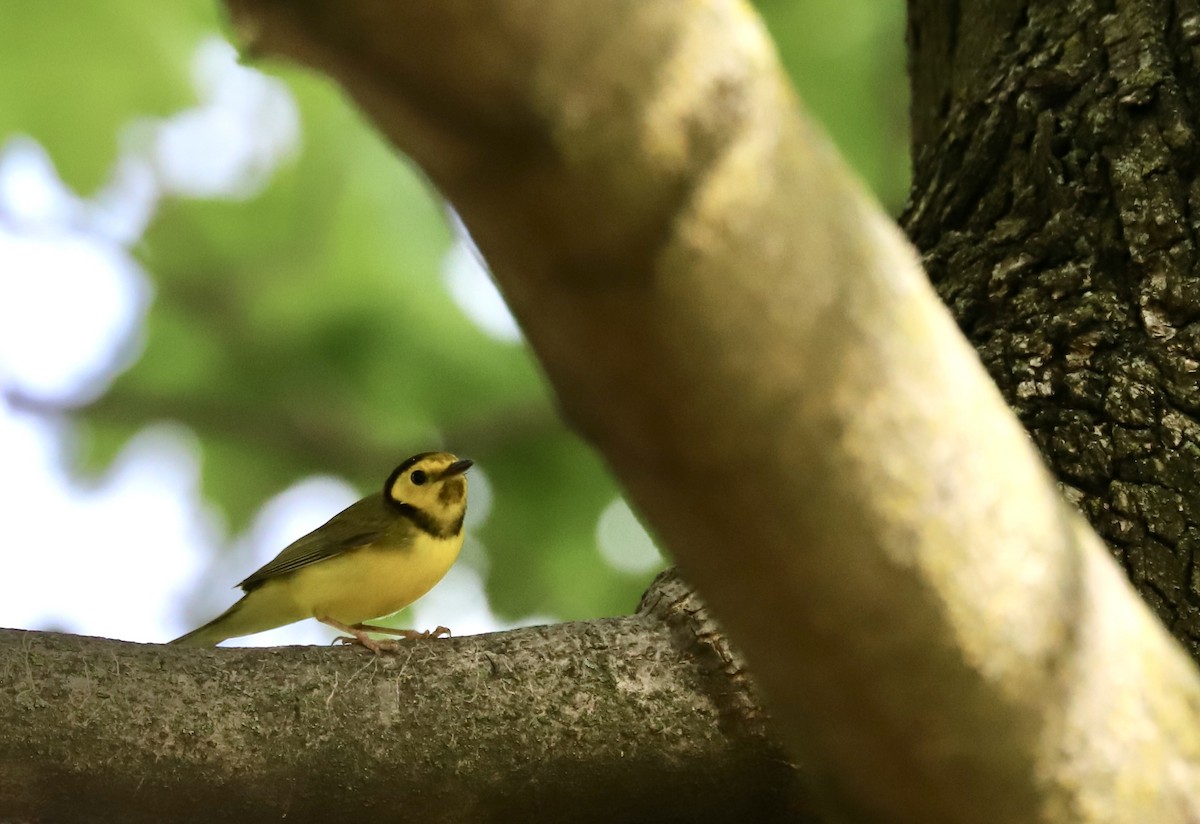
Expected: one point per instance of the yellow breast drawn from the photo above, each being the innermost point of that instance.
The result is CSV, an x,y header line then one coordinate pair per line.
x,y
372,581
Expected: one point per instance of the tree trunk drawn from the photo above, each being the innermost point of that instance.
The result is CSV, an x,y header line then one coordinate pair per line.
x,y
1056,203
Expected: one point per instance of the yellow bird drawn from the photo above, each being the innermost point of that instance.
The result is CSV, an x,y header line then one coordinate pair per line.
x,y
373,558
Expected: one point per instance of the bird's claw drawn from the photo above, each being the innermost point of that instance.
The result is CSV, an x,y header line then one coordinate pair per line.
x,y
407,634
368,642
357,634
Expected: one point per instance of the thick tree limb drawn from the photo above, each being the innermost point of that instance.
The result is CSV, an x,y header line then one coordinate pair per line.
x,y
615,720
754,348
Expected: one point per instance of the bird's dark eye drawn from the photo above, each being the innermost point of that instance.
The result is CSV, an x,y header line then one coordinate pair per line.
x,y
418,477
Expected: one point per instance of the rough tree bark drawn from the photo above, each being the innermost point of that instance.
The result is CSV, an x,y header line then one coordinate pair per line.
x,y
541,724
754,349
1057,203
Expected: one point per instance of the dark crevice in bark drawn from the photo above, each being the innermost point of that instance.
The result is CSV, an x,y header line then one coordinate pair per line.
x,y
1055,204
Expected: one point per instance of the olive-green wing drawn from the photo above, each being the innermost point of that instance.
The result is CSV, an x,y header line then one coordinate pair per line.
x,y
359,524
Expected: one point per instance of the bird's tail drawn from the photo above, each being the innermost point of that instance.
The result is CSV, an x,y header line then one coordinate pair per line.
x,y
264,607
214,632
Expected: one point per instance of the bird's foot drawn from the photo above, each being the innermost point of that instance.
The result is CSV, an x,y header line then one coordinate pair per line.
x,y
370,643
358,635
409,634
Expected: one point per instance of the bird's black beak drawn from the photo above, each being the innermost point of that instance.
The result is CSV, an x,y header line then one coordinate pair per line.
x,y
457,468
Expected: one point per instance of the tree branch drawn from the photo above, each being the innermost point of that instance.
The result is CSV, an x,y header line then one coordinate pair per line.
x,y
613,720
754,348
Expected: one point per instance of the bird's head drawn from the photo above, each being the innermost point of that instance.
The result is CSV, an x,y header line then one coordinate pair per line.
x,y
432,489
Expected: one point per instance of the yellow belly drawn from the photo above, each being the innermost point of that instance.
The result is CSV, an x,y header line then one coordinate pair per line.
x,y
369,582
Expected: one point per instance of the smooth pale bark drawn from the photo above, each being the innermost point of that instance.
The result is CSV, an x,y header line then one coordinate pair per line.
x,y
755,350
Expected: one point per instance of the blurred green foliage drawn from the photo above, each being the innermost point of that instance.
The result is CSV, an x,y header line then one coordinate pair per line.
x,y
307,329
847,59
74,74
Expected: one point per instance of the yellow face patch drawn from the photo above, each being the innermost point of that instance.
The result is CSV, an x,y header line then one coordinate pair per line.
x,y
421,490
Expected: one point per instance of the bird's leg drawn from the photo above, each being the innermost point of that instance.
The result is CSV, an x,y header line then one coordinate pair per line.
x,y
410,634
357,635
